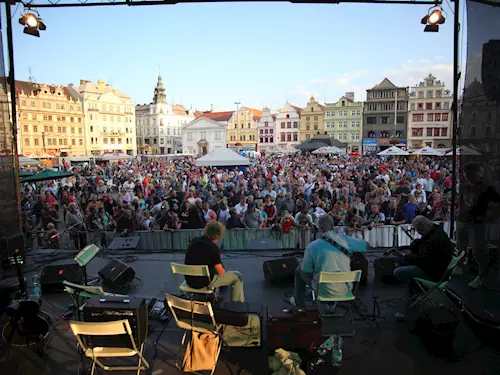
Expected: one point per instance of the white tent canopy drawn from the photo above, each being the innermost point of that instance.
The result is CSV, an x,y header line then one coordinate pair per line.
x,y
464,150
23,160
396,151
116,156
429,151
222,157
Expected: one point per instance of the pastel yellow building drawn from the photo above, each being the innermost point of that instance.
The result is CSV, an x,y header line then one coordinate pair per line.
x,y
311,120
242,129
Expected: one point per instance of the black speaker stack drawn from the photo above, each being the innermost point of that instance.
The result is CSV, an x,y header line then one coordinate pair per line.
x,y
106,309
52,277
280,270
117,273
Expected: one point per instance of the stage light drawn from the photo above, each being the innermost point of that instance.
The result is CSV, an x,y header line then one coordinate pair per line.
x,y
434,18
32,23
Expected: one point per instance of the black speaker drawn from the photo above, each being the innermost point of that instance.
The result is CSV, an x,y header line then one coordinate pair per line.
x,y
108,309
10,247
117,273
437,328
384,269
280,270
52,277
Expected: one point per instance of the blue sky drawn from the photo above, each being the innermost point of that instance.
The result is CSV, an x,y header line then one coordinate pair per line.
x,y
256,53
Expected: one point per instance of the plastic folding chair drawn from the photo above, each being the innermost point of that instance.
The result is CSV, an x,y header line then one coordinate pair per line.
x,y
428,286
195,309
187,270
83,332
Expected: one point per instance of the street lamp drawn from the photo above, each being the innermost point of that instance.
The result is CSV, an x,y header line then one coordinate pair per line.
x,y
236,122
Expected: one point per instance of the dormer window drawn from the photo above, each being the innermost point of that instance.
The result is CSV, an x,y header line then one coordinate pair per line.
x,y
343,103
287,116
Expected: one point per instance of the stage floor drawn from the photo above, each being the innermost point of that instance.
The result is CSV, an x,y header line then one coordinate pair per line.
x,y
389,348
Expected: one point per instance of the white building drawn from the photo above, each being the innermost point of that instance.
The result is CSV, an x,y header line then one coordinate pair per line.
x,y
430,114
288,125
203,135
266,130
109,118
159,124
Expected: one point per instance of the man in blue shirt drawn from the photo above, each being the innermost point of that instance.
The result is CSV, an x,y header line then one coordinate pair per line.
x,y
322,255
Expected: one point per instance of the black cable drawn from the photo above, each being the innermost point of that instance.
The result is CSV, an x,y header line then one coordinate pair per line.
x,y
155,344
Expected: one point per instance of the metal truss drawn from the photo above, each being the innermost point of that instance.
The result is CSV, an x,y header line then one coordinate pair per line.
x,y
89,3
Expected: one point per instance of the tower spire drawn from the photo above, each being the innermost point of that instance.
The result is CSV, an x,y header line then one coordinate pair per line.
x,y
160,97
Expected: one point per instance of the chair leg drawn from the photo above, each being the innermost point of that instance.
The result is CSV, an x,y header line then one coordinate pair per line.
x,y
93,368
217,356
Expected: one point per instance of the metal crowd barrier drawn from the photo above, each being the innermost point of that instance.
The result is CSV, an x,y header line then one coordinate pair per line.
x,y
386,236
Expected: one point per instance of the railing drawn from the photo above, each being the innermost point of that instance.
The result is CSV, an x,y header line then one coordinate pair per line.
x,y
386,236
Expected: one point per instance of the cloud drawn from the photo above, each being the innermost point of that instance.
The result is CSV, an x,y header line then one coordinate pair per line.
x,y
319,81
411,73
346,78
424,61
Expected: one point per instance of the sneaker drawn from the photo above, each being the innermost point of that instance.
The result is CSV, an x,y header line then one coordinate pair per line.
x,y
476,283
331,307
291,301
399,316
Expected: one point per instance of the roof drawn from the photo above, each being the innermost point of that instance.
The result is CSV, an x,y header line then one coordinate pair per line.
x,y
384,85
99,88
298,109
217,116
28,88
256,112
222,157
257,118
179,109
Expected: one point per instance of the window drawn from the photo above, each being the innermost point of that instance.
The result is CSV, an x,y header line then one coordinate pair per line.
x,y
35,129
429,132
308,118
80,130
288,137
418,117
295,137
51,128
428,105
345,113
412,106
25,128
26,141
429,93
37,142
73,142
358,112
384,134
384,120
80,142
430,117
355,136
295,124
315,126
60,142
421,94
439,93
308,137
371,134
400,119
398,134
282,137
438,105
444,117
371,120
315,118
417,132
49,141
289,125
353,113
33,103
437,117
420,105
446,105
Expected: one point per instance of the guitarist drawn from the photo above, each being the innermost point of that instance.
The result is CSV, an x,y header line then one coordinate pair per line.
x,y
429,255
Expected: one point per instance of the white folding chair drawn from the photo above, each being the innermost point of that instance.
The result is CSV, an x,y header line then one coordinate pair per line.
x,y
83,332
349,297
191,324
187,270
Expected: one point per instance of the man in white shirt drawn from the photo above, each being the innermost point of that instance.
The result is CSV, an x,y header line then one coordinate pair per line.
x,y
241,207
128,186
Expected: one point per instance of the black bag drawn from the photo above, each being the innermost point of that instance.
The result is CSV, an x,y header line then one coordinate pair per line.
x,y
437,328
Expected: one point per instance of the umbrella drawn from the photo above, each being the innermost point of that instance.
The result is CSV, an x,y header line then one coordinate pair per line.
x,y
23,160
23,173
310,146
47,175
429,151
464,150
393,151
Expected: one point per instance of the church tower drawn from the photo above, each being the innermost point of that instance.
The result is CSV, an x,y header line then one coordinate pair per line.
x,y
160,97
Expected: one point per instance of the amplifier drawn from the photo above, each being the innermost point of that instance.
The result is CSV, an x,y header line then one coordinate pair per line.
x,y
384,269
280,270
302,330
11,247
107,309
52,277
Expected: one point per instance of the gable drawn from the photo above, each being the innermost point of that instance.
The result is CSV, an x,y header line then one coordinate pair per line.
x,y
385,84
110,98
203,123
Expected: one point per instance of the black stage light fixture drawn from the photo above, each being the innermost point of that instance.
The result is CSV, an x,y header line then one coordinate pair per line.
x,y
32,23
435,17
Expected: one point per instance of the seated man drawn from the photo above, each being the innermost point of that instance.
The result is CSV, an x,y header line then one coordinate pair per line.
x,y
204,250
430,255
325,255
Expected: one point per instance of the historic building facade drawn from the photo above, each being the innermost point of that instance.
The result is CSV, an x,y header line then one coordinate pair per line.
x,y
311,120
50,121
385,117
266,130
430,114
242,129
109,118
344,121
203,135
288,125
159,124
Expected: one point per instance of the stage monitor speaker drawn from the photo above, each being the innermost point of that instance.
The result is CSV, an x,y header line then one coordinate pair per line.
x,y
384,269
280,270
107,309
52,277
437,328
117,273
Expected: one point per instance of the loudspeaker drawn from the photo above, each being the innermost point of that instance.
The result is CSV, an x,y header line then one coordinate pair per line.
x,y
108,309
117,273
384,269
437,328
279,270
52,277
300,331
10,247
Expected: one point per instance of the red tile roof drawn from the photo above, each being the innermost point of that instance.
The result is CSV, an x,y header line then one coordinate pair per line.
x,y
256,112
179,109
298,109
216,116
28,88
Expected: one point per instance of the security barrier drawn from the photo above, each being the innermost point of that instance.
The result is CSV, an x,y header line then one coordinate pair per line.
x,y
386,236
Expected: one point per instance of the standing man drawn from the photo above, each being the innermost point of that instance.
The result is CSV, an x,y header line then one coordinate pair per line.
x,y
204,251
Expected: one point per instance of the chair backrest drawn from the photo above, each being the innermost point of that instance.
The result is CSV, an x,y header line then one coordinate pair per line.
x,y
185,270
83,290
451,266
191,307
339,277
114,328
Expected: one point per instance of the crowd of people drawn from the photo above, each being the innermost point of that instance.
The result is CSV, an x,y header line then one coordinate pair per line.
x,y
290,191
